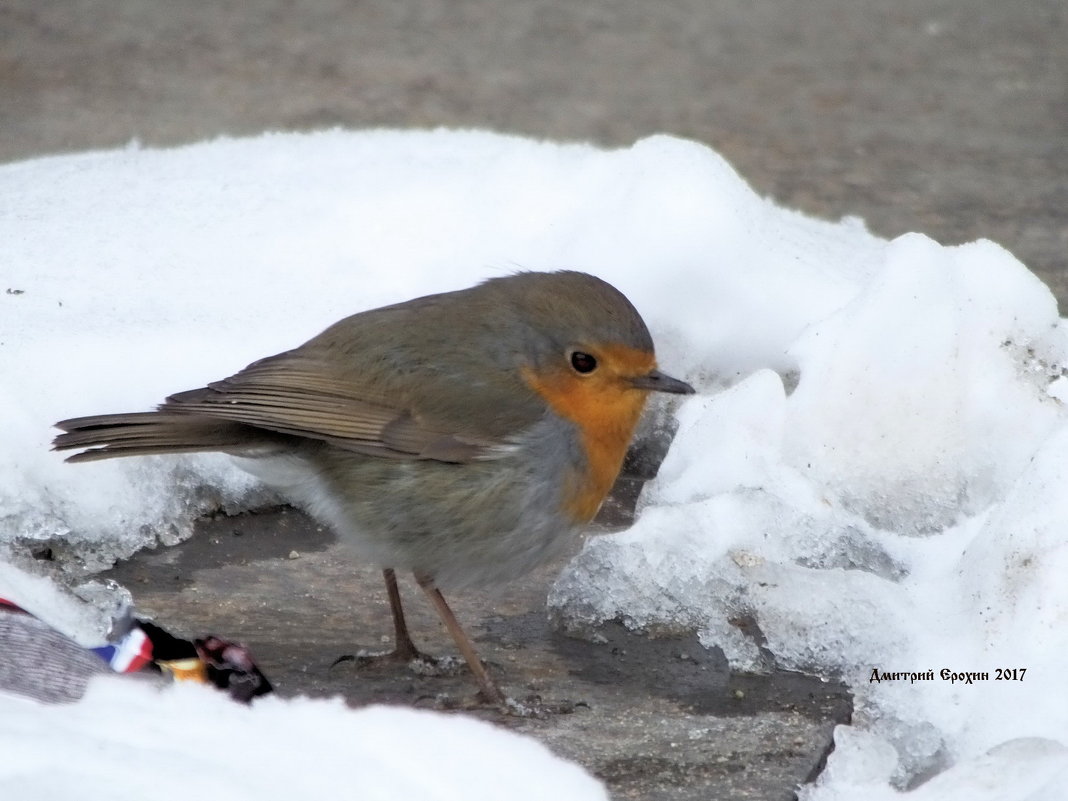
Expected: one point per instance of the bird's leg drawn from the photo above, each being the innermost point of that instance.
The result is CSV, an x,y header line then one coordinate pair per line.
x,y
404,649
487,687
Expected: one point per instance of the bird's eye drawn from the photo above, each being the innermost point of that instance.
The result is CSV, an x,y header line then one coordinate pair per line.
x,y
583,362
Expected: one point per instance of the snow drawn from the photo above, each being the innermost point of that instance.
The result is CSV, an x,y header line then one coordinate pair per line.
x,y
873,469
125,740
69,614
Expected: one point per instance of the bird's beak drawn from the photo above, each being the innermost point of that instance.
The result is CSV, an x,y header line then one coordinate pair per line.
x,y
656,381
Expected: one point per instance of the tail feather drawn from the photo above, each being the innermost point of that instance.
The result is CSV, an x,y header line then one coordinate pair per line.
x,y
108,436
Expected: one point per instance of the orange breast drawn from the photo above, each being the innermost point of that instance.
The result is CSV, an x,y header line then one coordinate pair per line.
x,y
606,409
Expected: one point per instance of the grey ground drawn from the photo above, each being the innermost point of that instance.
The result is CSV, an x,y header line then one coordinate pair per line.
x,y
948,117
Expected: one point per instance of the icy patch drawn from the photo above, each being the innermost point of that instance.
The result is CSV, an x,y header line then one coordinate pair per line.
x,y
920,401
1029,769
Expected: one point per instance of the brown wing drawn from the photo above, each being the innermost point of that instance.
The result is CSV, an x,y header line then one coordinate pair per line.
x,y
386,382
295,394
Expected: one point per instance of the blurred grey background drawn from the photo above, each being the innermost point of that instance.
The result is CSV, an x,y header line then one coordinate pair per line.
x,y
948,117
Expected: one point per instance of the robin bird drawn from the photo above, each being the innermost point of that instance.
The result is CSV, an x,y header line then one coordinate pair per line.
x,y
465,436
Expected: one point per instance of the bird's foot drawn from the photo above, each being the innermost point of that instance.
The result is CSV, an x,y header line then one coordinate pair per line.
x,y
418,662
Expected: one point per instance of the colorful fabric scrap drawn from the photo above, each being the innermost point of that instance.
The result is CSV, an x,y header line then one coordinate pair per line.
x,y
134,645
